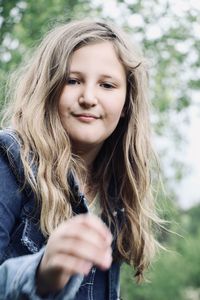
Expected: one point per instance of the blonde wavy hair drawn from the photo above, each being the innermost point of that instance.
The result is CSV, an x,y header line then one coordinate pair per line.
x,y
126,155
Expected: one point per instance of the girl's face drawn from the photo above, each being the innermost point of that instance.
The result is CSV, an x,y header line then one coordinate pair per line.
x,y
93,98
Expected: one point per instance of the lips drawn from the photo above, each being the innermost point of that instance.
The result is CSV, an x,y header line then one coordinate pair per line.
x,y
86,117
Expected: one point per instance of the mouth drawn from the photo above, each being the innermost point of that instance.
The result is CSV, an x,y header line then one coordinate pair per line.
x,y
85,117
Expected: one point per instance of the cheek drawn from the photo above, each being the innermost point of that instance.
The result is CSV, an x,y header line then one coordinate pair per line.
x,y
61,103
61,109
114,117
64,104
116,109
66,98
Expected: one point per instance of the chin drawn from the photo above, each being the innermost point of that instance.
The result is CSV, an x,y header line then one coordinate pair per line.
x,y
87,144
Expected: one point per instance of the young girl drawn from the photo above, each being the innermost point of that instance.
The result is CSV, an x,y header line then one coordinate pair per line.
x,y
74,168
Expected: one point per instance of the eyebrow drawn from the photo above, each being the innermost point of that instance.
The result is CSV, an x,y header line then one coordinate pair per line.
x,y
113,77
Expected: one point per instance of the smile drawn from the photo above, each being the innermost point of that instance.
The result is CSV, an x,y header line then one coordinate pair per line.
x,y
86,117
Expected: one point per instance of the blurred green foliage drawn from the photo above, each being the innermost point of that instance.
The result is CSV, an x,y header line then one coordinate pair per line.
x,y
171,41
176,272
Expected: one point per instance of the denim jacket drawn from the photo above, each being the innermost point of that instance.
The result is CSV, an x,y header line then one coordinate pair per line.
x,y
21,242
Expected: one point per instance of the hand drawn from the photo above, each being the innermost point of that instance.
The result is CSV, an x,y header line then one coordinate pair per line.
x,y
74,247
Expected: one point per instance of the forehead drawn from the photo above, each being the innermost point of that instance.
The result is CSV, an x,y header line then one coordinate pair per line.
x,y
101,56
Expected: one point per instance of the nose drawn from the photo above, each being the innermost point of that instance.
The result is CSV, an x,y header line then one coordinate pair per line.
x,y
88,97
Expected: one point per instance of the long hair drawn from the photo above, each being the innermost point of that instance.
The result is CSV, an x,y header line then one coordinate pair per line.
x,y
126,155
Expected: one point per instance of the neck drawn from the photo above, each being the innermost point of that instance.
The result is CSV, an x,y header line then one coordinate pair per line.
x,y
88,155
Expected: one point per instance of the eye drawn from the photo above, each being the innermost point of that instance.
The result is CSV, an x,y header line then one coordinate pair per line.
x,y
72,81
107,85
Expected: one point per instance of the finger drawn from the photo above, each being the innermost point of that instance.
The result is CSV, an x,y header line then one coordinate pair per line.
x,y
92,221
59,270
87,234
70,264
89,252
